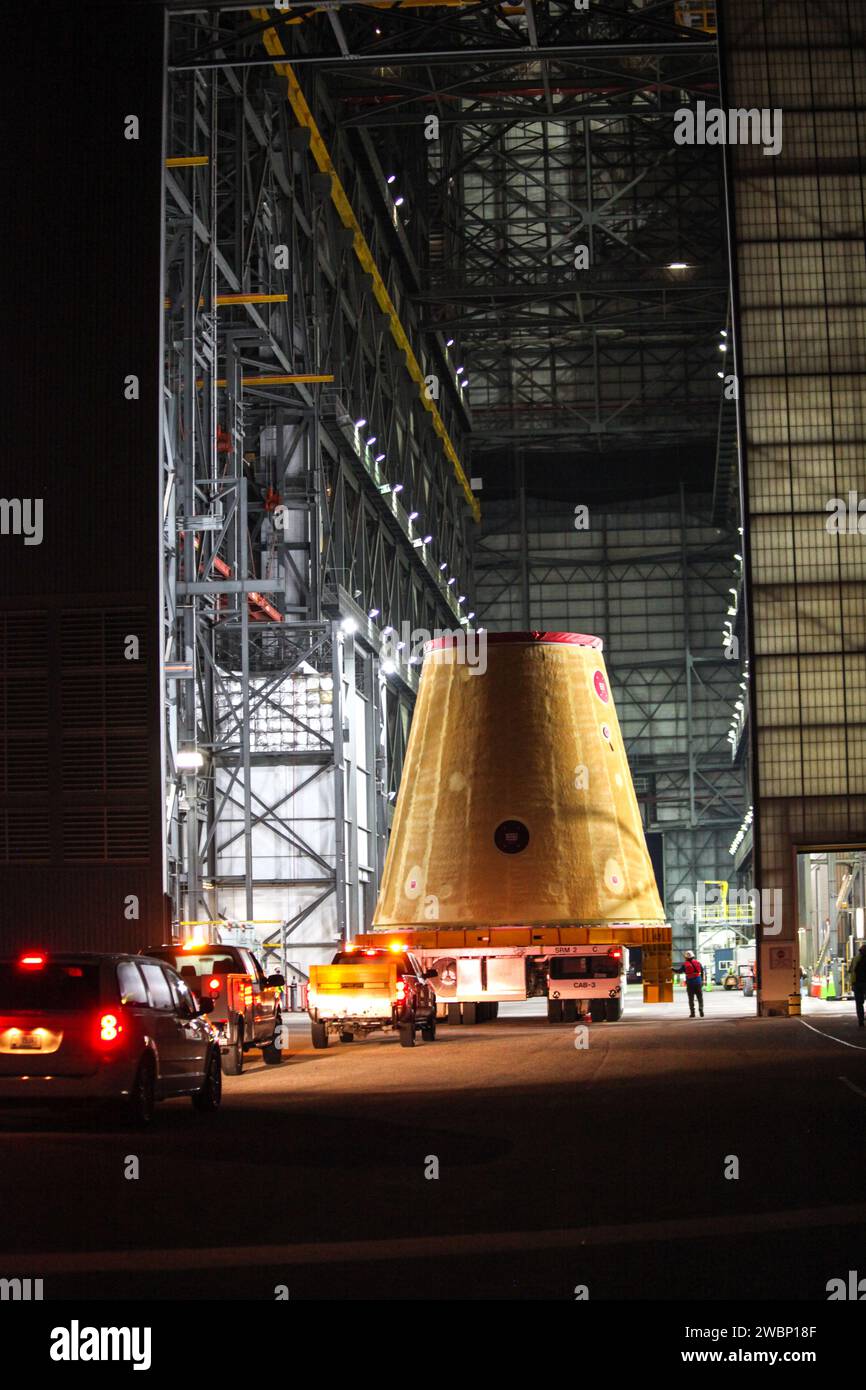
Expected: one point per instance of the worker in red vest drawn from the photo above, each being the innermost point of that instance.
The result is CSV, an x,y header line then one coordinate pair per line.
x,y
694,973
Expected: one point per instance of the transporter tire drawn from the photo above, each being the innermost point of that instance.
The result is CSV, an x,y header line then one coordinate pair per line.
x,y
407,1034
470,1012
428,1029
569,1010
554,1010
613,1010
454,1013
598,1010
319,1034
233,1059
494,1009
346,1036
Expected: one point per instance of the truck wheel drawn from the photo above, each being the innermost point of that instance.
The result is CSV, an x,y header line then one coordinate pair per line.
x,y
454,1014
210,1095
320,1034
598,1010
470,1012
407,1034
494,1009
569,1010
347,1037
428,1029
554,1010
270,1051
233,1059
613,1010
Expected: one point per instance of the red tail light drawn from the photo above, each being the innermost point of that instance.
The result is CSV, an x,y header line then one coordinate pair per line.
x,y
110,1028
33,960
616,952
214,984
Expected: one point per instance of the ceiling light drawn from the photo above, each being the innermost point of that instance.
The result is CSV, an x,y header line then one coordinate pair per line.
x,y
349,625
359,424
449,342
373,613
460,369
462,598
427,540
379,458
398,487
677,265
391,178
452,580
413,516
398,202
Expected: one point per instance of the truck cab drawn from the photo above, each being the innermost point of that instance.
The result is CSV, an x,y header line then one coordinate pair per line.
x,y
587,980
247,1009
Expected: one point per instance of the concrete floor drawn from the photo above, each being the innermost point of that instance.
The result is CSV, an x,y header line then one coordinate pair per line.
x,y
558,1166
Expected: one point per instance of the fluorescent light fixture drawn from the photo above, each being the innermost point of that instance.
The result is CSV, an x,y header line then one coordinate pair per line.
x,y
677,265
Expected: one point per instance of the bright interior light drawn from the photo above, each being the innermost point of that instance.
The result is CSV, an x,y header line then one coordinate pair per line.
x,y
359,424
391,178
677,265
398,487
189,760
349,625
427,540
389,668
398,202
373,613
413,516
449,342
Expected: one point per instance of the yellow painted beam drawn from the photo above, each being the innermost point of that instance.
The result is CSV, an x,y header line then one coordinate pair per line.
x,y
251,299
226,299
319,151
186,161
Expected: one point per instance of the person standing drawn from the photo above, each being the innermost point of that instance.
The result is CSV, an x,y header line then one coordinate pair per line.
x,y
858,977
694,973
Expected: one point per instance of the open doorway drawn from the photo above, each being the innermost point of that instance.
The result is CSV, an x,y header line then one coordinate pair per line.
x,y
831,918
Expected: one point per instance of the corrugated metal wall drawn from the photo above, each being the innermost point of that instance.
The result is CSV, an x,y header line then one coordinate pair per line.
x,y
80,785
798,230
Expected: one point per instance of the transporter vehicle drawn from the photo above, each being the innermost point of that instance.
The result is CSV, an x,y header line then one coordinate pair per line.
x,y
373,989
100,1027
246,1005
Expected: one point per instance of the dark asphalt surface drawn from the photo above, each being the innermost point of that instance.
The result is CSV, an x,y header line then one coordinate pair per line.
x,y
558,1167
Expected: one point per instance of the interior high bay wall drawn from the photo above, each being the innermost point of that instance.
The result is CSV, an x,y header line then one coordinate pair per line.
x,y
313,498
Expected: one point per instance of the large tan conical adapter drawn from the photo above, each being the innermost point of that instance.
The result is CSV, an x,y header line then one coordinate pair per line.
x,y
516,805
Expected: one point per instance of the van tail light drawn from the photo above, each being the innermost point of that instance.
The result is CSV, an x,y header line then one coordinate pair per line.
x,y
32,960
214,984
111,1027
616,952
